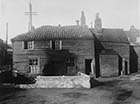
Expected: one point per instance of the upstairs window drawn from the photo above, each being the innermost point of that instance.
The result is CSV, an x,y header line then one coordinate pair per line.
x,y
31,45
56,44
28,44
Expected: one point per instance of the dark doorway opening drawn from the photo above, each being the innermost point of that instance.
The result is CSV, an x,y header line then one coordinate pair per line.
x,y
88,66
126,68
120,65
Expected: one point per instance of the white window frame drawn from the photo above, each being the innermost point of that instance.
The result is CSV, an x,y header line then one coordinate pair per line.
x,y
50,44
59,47
34,69
60,44
30,45
22,45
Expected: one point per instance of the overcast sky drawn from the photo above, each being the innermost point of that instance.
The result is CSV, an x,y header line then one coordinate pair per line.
x,y
114,13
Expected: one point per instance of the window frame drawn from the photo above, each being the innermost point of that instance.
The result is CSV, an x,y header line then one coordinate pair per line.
x,y
28,45
56,44
34,66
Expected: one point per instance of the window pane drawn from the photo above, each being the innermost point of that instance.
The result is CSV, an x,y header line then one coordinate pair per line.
x,y
30,45
33,65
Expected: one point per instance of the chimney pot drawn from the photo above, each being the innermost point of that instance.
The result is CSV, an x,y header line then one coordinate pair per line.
x,y
77,22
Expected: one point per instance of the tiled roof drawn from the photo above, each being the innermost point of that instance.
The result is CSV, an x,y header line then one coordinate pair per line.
x,y
108,52
55,32
111,35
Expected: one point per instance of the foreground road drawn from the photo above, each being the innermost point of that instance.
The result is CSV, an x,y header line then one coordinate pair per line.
x,y
109,91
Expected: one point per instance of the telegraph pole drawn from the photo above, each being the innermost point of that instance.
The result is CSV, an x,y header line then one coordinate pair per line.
x,y
6,47
6,36
30,13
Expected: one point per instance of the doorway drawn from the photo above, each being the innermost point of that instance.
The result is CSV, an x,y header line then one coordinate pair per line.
x,y
126,68
88,66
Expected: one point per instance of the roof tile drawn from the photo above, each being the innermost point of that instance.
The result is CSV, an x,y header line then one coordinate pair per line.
x,y
55,32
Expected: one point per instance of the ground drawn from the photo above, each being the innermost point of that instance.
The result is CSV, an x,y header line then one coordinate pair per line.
x,y
118,90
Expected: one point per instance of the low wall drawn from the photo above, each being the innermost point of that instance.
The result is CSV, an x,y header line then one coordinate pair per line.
x,y
82,81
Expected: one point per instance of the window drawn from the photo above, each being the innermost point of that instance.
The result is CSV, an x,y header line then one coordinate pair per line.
x,y
56,44
34,66
31,45
28,45
70,61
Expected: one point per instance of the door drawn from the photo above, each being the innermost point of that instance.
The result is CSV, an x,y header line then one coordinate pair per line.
x,y
88,66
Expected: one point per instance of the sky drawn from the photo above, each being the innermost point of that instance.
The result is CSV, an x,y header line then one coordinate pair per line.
x,y
114,14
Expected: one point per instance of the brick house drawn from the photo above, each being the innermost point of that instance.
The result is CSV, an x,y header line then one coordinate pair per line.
x,y
54,50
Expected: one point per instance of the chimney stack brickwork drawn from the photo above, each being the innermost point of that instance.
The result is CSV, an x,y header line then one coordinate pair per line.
x,y
98,24
83,19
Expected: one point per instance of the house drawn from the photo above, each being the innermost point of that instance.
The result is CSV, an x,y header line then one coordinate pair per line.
x,y
66,50
112,50
54,50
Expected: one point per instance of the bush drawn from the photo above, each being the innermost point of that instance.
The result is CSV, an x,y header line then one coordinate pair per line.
x,y
15,77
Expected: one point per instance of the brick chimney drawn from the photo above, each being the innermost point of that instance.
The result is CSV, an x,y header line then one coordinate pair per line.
x,y
83,19
77,22
98,24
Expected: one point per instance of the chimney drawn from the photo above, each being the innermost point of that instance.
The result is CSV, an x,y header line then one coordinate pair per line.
x,y
83,19
59,25
77,22
98,23
91,24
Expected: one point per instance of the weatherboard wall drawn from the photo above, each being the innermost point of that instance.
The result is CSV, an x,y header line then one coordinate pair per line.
x,y
82,49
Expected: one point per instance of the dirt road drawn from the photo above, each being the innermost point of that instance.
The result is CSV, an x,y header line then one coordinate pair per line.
x,y
108,91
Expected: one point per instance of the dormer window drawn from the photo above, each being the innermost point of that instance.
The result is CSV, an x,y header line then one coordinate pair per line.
x,y
28,45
